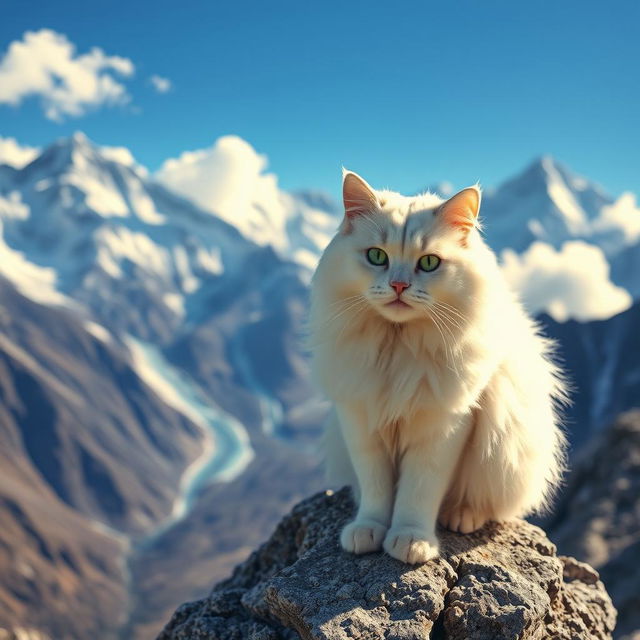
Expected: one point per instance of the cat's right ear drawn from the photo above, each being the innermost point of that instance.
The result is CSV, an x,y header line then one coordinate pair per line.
x,y
359,198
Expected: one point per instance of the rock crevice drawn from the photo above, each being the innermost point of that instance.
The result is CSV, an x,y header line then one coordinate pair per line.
x,y
504,581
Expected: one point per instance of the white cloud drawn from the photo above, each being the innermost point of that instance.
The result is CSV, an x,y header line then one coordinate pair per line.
x,y
15,154
45,64
570,283
160,84
619,223
228,179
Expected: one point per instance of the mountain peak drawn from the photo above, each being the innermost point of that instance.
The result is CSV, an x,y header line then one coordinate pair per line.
x,y
78,154
64,153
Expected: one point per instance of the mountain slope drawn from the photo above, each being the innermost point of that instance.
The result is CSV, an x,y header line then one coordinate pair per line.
x,y
89,456
598,517
602,360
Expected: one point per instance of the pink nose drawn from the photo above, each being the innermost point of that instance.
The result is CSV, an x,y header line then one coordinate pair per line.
x,y
399,286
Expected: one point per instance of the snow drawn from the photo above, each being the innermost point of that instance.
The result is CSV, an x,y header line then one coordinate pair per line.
x,y
175,302
34,282
119,243
562,197
98,331
210,260
121,155
12,207
570,283
141,203
100,197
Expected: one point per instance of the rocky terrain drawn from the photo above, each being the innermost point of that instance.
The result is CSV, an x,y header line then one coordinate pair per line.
x,y
598,517
504,581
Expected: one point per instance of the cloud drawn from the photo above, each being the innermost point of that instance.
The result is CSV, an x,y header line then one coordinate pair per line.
x,y
570,283
228,179
45,64
618,224
160,84
15,154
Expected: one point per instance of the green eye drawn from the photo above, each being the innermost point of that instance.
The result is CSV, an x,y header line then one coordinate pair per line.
x,y
377,257
429,263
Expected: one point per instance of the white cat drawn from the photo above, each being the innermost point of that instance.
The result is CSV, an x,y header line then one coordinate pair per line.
x,y
444,392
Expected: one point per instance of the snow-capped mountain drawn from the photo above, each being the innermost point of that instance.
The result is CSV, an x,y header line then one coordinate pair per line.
x,y
89,240
546,202
187,291
110,235
549,204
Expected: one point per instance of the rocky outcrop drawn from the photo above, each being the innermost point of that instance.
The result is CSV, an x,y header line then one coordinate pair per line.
x,y
504,581
598,517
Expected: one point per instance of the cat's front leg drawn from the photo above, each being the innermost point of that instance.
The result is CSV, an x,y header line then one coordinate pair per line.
x,y
432,447
373,470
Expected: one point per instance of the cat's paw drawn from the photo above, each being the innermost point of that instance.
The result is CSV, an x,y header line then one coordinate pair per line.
x,y
362,536
462,520
411,545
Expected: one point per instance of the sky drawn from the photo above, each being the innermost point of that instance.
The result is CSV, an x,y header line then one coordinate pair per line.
x,y
407,94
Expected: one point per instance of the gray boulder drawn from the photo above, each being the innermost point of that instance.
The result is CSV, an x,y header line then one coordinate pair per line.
x,y
504,581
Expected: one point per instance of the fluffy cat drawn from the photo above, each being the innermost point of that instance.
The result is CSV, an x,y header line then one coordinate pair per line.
x,y
444,392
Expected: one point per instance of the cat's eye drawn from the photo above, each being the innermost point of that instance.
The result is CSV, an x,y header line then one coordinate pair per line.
x,y
377,256
429,262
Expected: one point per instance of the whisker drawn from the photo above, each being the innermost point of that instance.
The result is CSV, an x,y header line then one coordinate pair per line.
x,y
358,311
448,348
450,320
436,324
450,308
360,300
345,300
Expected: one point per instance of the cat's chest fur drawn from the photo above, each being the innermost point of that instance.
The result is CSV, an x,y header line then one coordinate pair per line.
x,y
400,373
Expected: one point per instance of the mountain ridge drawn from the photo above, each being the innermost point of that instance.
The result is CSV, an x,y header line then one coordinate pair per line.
x,y
117,257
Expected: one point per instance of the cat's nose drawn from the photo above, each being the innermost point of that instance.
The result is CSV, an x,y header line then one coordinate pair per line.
x,y
399,286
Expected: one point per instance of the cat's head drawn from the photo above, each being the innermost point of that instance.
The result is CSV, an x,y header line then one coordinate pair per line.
x,y
409,258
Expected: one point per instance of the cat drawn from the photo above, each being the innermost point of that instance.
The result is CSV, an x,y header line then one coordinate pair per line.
x,y
445,395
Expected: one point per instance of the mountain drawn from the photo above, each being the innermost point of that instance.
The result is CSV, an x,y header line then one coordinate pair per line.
x,y
156,391
603,363
151,330
598,517
548,203
91,458
111,236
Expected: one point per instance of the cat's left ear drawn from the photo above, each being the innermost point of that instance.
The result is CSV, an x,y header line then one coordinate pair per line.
x,y
461,211
359,198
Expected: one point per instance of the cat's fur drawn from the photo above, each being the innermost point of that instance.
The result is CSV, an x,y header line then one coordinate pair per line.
x,y
443,410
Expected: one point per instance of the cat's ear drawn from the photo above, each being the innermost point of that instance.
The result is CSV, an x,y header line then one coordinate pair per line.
x,y
359,198
461,211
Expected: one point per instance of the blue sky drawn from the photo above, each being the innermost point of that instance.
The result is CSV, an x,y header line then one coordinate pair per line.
x,y
405,93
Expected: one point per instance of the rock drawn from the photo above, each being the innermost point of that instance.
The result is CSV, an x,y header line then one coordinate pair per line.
x,y
504,581
598,517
